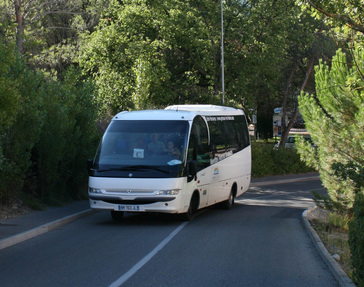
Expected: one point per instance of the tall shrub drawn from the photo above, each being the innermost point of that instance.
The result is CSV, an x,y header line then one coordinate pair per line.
x,y
67,138
268,161
47,131
9,107
23,117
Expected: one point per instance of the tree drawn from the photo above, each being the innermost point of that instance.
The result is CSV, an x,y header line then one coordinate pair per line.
x,y
341,13
46,31
152,54
270,42
286,127
334,118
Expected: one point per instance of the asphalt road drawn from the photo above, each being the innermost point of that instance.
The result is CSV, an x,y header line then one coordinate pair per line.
x,y
261,241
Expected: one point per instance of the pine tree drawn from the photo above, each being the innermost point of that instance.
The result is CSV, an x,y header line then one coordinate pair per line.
x,y
334,116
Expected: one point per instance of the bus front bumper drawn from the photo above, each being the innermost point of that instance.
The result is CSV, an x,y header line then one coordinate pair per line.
x,y
138,204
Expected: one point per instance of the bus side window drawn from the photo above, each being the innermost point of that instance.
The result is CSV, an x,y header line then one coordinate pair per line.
x,y
198,147
218,138
245,136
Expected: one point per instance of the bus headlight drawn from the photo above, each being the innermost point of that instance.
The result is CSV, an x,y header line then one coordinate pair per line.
x,y
94,190
168,192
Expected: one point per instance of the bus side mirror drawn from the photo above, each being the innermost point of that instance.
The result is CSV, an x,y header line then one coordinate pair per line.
x,y
89,167
192,171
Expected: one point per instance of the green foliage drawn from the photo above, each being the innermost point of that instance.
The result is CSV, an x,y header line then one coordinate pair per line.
x,y
9,96
149,54
338,220
21,133
51,30
268,161
356,239
47,134
334,118
145,54
62,153
343,15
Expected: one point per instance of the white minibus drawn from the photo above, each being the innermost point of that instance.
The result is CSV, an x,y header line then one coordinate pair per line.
x,y
176,160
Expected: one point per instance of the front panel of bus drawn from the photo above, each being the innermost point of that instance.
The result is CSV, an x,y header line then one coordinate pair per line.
x,y
140,166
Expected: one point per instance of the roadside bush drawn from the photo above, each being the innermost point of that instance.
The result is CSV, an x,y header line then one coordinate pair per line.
x,y
356,239
47,132
9,94
268,161
20,132
67,139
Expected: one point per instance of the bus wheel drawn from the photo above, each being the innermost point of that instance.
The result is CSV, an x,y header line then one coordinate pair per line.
x,y
227,204
117,215
194,203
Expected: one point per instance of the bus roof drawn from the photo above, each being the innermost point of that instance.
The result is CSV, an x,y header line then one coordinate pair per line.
x,y
207,110
178,112
156,115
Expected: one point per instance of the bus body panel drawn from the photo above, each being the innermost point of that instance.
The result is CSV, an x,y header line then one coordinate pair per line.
x,y
220,177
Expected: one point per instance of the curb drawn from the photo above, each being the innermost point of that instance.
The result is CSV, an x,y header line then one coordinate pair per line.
x,y
18,238
336,270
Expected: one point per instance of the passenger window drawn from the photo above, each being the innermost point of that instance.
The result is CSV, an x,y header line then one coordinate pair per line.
x,y
243,132
198,146
218,143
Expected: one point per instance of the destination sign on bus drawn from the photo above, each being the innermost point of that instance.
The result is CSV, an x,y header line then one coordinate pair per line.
x,y
215,119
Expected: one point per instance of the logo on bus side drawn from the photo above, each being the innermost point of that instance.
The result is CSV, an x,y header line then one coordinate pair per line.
x,y
216,171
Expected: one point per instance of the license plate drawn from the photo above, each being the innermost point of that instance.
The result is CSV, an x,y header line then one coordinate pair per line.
x,y
129,208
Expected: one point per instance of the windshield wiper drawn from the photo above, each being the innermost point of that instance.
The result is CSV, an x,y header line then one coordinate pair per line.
x,y
153,167
135,168
127,168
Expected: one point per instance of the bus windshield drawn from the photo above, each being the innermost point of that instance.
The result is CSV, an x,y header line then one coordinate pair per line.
x,y
142,149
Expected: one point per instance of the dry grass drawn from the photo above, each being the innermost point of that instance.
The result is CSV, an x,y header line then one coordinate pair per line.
x,y
335,238
13,209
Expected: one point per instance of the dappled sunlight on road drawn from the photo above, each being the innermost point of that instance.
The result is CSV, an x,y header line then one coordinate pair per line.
x,y
278,198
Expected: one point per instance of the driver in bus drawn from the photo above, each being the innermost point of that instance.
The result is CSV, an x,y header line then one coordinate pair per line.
x,y
172,150
156,147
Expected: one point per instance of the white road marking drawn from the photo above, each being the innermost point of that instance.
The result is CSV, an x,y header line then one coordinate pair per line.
x,y
149,256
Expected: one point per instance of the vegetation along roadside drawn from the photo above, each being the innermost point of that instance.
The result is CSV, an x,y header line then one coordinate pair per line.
x,y
67,66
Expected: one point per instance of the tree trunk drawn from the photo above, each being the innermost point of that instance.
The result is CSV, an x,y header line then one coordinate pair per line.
x,y
285,96
20,23
285,132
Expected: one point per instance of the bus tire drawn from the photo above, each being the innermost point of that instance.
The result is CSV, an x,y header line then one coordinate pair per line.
x,y
192,208
228,204
117,215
